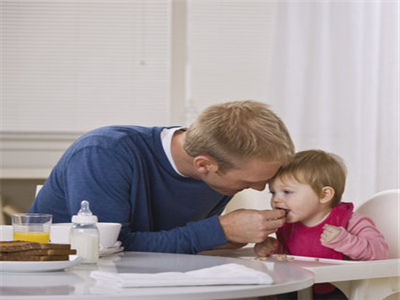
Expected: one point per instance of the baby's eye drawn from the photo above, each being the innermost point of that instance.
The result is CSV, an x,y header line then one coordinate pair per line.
x,y
287,192
272,192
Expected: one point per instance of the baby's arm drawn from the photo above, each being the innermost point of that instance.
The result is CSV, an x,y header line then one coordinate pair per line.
x,y
361,240
267,247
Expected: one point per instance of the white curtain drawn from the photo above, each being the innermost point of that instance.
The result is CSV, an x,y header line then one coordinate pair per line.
x,y
334,80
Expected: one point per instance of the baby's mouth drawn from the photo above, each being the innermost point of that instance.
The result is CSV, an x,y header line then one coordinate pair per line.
x,y
284,209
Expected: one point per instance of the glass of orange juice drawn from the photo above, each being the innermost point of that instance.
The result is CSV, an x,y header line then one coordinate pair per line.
x,y
31,227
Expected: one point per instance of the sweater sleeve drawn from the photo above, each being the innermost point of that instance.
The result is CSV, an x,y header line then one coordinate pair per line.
x,y
192,238
105,180
360,240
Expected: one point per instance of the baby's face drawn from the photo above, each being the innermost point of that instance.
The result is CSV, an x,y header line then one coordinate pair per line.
x,y
299,200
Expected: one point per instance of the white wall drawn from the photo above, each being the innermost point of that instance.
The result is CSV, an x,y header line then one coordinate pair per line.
x,y
325,68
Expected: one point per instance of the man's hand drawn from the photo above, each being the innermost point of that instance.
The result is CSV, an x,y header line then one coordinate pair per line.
x,y
329,233
266,247
251,226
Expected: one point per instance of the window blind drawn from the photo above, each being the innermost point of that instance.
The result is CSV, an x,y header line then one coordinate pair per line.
x,y
70,66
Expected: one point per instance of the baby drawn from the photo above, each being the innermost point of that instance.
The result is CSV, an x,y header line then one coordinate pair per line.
x,y
318,224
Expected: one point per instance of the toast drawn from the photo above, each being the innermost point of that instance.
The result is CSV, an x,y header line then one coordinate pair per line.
x,y
15,246
37,258
39,252
31,251
55,246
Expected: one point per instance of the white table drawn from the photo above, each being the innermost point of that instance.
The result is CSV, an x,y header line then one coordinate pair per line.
x,y
359,280
75,283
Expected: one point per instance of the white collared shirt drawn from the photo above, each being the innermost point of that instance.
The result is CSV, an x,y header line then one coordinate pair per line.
x,y
166,139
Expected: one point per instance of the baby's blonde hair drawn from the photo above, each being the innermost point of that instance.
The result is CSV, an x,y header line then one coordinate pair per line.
x,y
318,169
233,132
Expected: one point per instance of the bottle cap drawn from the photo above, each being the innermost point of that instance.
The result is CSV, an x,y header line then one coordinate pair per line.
x,y
84,215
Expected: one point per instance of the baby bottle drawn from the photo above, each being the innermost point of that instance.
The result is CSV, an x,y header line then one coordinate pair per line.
x,y
84,234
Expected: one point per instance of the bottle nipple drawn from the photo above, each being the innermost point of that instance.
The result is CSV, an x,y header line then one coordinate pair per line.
x,y
85,209
84,215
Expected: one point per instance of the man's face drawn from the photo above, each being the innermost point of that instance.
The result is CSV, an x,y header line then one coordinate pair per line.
x,y
253,174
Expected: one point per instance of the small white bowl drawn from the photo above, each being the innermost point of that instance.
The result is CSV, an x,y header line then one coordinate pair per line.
x,y
6,233
108,232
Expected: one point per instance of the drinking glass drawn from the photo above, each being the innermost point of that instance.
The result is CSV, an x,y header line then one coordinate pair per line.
x,y
31,227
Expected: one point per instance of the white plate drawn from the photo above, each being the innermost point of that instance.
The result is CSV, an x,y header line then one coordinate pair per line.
x,y
39,266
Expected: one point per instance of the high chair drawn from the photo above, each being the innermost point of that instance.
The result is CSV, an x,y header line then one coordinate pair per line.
x,y
384,209
38,188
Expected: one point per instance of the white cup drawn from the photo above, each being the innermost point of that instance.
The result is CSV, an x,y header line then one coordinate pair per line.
x,y
108,233
6,233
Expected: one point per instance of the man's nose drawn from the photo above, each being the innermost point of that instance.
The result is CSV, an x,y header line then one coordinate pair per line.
x,y
258,186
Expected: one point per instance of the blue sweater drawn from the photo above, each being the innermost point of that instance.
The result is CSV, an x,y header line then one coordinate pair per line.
x,y
125,175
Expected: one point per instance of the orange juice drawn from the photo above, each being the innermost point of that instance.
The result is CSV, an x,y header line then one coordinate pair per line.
x,y
39,237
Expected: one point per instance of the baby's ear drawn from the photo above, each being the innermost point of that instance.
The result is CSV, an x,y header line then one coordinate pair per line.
x,y
327,194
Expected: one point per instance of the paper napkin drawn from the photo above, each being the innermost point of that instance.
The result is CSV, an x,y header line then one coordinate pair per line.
x,y
219,275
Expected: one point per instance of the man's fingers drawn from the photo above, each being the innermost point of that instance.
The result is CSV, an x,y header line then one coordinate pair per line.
x,y
251,226
275,224
273,214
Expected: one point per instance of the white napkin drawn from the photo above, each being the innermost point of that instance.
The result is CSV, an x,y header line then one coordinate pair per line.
x,y
219,275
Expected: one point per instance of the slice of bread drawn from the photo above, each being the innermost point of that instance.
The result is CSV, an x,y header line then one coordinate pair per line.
x,y
30,251
15,246
55,246
37,258
39,252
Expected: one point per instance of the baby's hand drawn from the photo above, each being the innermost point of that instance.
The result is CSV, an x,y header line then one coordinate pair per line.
x,y
329,233
266,247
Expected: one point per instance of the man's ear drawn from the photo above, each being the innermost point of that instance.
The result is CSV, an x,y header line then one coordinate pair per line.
x,y
327,194
203,164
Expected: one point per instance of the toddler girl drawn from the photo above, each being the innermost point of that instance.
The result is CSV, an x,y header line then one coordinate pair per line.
x,y
318,224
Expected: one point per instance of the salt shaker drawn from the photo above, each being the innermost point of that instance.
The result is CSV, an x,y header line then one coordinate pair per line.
x,y
84,235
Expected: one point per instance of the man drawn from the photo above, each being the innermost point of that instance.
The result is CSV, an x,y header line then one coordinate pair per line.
x,y
169,185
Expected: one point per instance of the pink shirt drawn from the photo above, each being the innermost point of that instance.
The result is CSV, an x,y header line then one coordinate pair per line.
x,y
358,240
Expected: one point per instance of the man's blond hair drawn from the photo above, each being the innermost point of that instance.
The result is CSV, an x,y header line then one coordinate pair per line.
x,y
318,169
234,132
